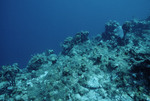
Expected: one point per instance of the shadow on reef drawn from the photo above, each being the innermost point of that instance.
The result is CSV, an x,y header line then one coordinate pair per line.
x,y
113,66
142,74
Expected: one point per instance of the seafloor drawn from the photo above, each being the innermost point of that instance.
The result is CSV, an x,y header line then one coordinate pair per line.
x,y
113,66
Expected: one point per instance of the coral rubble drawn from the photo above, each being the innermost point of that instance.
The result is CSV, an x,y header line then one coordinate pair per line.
x,y
110,67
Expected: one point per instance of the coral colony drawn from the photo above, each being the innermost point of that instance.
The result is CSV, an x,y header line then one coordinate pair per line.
x,y
113,66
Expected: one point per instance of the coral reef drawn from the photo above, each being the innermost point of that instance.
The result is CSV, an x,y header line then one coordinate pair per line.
x,y
105,68
69,42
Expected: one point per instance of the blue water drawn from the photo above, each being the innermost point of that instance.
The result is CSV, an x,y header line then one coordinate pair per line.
x,y
28,27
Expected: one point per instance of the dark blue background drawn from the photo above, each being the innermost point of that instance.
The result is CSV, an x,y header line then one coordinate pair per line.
x,y
28,27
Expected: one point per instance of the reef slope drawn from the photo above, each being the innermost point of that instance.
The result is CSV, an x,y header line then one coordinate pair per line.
x,y
112,66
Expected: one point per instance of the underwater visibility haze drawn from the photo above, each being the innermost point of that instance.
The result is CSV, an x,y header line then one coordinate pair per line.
x,y
75,50
28,27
